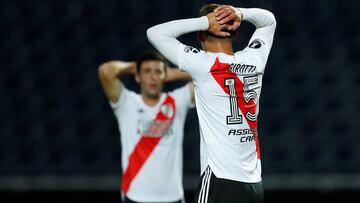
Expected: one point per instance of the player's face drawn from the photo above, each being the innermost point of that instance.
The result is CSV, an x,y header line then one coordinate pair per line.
x,y
151,77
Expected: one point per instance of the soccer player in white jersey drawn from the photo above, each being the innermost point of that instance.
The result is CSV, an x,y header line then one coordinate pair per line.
x,y
227,92
151,125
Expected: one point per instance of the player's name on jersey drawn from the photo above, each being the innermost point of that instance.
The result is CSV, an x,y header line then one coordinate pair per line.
x,y
242,68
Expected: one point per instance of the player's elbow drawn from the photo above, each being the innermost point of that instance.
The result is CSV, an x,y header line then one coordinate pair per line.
x,y
105,71
272,18
151,33
155,35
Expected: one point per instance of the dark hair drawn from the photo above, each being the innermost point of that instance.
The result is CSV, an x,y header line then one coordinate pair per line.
x,y
150,56
206,9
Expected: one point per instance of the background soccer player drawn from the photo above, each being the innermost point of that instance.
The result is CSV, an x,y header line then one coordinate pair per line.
x,y
227,92
151,125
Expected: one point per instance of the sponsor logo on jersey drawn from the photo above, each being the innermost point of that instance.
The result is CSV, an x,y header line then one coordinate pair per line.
x,y
154,128
157,128
239,132
250,138
247,135
242,68
191,49
256,43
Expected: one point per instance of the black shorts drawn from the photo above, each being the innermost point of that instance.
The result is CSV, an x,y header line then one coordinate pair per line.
x,y
218,190
127,200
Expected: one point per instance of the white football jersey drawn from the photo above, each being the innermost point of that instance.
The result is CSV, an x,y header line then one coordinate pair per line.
x,y
227,92
160,177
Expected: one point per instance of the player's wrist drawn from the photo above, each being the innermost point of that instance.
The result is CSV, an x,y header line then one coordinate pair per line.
x,y
204,22
243,13
239,13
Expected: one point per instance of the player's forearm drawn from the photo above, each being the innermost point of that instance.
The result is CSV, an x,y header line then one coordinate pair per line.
x,y
174,74
118,68
163,36
260,18
109,74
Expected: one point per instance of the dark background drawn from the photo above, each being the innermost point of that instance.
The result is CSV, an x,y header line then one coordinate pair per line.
x,y
59,139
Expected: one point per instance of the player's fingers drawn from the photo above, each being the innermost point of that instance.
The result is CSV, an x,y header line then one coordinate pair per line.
x,y
220,14
219,11
224,13
225,27
219,8
223,34
235,25
227,34
228,18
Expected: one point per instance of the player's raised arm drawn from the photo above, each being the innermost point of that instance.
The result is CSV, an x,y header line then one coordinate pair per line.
x,y
263,20
163,36
174,74
110,73
265,24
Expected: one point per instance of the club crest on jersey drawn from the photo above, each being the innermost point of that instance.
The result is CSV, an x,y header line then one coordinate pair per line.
x,y
167,110
256,44
191,49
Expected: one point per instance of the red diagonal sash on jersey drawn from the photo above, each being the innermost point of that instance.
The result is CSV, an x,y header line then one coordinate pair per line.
x,y
148,141
220,71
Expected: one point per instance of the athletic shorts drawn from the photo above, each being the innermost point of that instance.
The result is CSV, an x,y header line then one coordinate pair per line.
x,y
127,200
218,190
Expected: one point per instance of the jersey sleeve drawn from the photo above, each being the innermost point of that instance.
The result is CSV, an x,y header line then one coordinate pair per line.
x,y
261,41
163,36
121,102
182,96
193,61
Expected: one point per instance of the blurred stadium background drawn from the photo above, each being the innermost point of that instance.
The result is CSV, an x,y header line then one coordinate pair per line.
x,y
58,137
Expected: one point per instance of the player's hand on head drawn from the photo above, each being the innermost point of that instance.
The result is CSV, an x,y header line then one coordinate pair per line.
x,y
216,28
227,14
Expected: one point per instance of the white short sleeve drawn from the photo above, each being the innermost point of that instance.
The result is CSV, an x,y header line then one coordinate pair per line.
x,y
183,96
122,98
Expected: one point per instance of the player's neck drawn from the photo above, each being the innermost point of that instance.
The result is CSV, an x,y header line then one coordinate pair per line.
x,y
151,100
221,45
